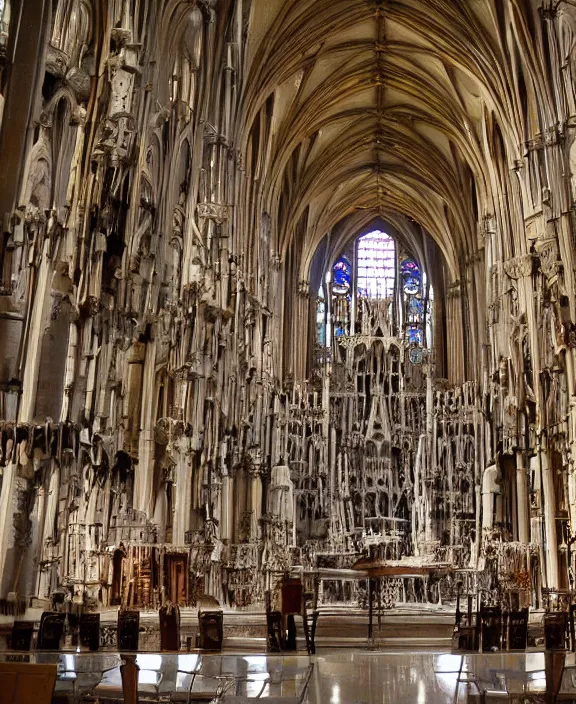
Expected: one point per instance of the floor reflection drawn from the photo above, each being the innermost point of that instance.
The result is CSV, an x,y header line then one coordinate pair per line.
x,y
344,677
386,678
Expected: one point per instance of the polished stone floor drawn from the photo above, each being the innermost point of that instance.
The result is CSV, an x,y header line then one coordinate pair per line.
x,y
332,677
424,678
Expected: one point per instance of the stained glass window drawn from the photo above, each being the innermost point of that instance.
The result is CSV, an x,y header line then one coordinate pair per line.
x,y
411,279
415,335
376,265
321,318
341,296
408,267
342,276
416,355
415,310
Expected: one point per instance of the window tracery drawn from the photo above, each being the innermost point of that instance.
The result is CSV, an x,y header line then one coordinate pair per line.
x,y
378,292
341,296
321,318
376,263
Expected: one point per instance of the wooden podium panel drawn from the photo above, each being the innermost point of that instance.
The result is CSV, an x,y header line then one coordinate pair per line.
x,y
23,683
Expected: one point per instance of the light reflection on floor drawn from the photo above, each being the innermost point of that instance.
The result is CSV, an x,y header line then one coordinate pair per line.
x,y
387,678
338,677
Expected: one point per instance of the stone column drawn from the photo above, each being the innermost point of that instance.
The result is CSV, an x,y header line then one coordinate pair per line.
x,y
7,508
454,327
549,517
38,318
255,496
490,487
144,473
183,493
227,514
522,500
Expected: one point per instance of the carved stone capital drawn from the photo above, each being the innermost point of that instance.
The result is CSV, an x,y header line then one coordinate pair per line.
x,y
535,144
218,212
211,136
121,36
80,83
454,290
519,267
547,250
548,11
56,61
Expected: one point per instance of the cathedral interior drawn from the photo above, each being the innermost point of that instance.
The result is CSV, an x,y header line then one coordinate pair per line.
x,y
287,287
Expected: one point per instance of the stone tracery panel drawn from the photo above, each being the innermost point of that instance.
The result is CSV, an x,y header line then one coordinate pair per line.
x,y
155,411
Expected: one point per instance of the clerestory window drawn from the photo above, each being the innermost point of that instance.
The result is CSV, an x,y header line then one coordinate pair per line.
x,y
375,289
376,262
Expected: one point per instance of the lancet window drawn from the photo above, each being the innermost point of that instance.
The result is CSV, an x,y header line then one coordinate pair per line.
x,y
321,318
376,290
342,296
376,263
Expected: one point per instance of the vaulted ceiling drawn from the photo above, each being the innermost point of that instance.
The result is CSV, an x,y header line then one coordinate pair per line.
x,y
386,108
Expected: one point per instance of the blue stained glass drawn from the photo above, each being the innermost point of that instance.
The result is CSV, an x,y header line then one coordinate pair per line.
x,y
411,277
342,276
416,307
415,336
320,319
409,267
411,285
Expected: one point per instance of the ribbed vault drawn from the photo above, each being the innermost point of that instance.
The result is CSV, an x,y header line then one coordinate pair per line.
x,y
386,106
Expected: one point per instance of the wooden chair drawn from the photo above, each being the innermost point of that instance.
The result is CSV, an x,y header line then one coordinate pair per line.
x,y
169,628
21,637
518,630
128,631
211,630
262,684
274,626
89,627
555,630
51,629
466,632
292,593
310,615
25,683
129,672
491,628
